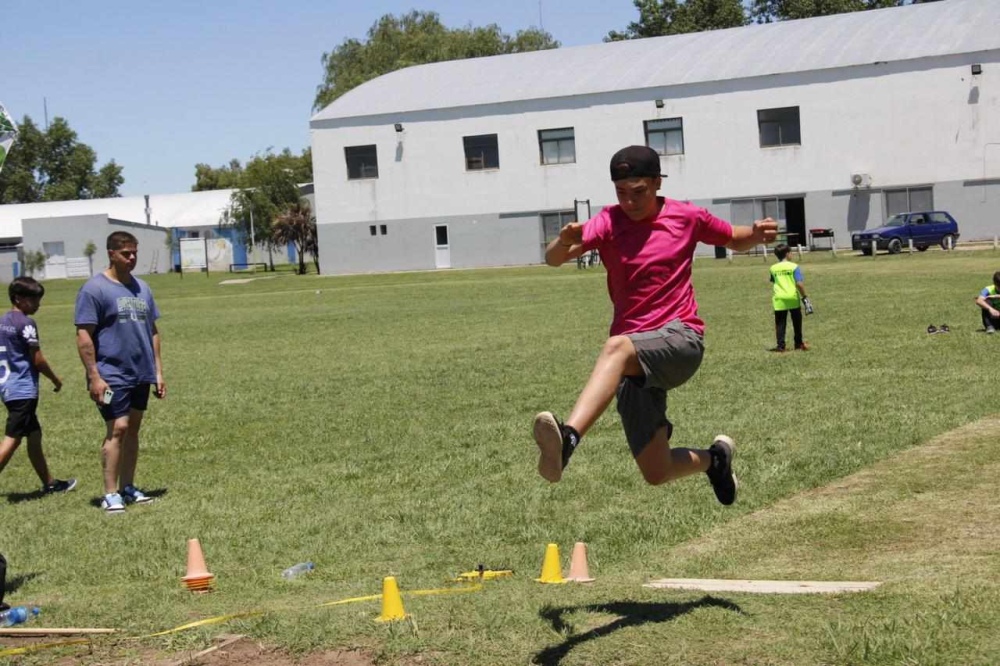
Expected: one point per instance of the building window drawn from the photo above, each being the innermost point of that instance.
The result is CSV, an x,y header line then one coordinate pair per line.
x,y
557,146
553,222
372,230
665,136
908,199
746,211
481,152
382,229
779,127
362,162
441,235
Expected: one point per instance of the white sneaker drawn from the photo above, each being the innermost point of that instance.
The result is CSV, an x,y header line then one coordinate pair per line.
x,y
113,503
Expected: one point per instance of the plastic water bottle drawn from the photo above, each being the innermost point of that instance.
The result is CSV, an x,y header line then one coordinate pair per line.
x,y
16,615
298,570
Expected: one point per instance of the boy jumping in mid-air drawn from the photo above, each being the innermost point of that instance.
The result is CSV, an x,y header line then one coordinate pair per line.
x,y
647,245
21,360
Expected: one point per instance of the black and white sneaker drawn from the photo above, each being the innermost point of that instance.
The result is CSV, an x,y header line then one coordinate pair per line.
x,y
720,471
59,486
554,446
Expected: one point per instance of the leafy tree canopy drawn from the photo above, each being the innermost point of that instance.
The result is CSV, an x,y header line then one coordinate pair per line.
x,y
230,175
767,11
265,188
674,17
415,38
53,165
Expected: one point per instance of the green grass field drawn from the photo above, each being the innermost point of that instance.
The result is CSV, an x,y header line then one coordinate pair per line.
x,y
381,425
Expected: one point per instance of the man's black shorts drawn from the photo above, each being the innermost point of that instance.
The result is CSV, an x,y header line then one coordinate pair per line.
x,y
22,419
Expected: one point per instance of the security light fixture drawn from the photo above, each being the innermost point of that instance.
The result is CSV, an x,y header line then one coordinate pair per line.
x,y
659,103
977,69
399,127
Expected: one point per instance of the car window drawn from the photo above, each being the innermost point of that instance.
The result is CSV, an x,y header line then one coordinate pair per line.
x,y
895,221
917,219
939,218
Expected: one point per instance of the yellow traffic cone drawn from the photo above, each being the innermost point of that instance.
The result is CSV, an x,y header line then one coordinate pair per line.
x,y
551,569
392,601
579,572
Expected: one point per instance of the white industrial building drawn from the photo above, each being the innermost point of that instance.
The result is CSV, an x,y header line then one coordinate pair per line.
x,y
62,230
825,123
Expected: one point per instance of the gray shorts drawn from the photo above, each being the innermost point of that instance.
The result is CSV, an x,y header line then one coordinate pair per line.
x,y
669,357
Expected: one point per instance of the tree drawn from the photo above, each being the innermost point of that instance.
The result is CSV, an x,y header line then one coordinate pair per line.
x,y
228,176
415,38
53,165
89,250
296,225
266,189
767,11
34,261
674,17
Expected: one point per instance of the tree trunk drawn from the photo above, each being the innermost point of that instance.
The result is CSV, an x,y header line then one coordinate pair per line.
x,y
300,249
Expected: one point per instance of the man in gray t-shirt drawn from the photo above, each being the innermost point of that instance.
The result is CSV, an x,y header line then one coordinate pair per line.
x,y
119,345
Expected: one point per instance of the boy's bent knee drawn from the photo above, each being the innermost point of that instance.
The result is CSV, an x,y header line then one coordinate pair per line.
x,y
618,345
655,477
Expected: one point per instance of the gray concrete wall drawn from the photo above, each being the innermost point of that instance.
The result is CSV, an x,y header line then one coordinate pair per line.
x,y
516,238
474,241
8,257
75,231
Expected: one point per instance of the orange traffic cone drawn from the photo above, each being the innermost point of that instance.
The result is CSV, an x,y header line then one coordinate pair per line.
x,y
392,601
197,579
551,569
579,572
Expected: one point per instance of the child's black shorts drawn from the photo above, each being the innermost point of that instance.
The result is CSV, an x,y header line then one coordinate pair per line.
x,y
22,419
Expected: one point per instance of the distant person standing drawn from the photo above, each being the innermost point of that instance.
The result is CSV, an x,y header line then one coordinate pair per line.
x,y
21,361
119,345
788,296
989,301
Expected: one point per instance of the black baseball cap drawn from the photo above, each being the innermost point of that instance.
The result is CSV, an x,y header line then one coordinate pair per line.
x,y
635,162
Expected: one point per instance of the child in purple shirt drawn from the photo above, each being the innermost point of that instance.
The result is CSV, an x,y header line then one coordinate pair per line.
x,y
21,361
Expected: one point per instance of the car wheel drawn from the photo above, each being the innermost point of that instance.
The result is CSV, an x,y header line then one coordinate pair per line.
x,y
947,240
921,248
895,246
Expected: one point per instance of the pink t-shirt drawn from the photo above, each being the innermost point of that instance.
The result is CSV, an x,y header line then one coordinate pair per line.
x,y
649,263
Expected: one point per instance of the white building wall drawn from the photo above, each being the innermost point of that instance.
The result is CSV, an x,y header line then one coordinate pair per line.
x,y
902,128
914,123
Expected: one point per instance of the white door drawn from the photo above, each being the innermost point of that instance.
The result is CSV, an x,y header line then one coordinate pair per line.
x,y
442,251
55,262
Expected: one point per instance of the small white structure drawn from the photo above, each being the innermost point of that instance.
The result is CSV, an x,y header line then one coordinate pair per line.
x,y
827,123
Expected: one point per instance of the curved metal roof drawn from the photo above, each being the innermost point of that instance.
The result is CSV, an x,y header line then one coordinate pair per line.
x,y
925,30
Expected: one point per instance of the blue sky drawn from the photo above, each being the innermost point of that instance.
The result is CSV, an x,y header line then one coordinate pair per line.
x,y
162,86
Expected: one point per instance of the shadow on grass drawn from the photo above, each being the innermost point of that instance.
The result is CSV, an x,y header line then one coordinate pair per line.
x,y
154,494
12,584
17,498
631,614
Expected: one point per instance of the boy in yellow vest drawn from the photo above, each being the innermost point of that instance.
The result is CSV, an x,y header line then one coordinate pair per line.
x,y
989,301
788,288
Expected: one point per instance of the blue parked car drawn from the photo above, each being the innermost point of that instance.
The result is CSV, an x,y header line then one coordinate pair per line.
x,y
925,228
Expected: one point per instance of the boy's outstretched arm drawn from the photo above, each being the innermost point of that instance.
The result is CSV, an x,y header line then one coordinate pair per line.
x,y
761,233
569,245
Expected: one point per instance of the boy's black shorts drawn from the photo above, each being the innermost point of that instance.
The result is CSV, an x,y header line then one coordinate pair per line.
x,y
22,419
